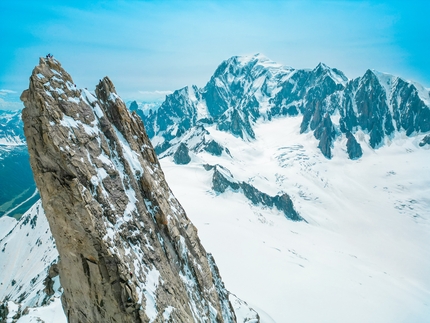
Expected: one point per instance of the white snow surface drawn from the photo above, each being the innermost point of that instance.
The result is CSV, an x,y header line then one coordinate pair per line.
x,y
387,81
363,256
11,141
130,155
423,93
27,250
53,312
6,224
151,284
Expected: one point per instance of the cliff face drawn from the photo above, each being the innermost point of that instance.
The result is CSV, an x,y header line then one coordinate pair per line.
x,y
128,251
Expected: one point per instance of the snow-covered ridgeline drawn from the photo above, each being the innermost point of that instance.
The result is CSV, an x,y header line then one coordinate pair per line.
x,y
243,90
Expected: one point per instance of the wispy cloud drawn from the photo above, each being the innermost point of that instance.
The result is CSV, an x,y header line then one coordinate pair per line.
x,y
156,45
6,92
9,105
156,92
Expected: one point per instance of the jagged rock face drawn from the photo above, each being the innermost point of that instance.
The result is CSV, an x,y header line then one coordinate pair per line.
x,y
229,100
181,156
222,180
245,89
134,106
176,116
128,251
326,133
214,148
353,147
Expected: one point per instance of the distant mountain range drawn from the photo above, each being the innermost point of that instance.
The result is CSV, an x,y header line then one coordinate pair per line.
x,y
367,110
244,90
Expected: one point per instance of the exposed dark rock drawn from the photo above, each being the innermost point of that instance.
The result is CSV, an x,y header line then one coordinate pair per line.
x,y
353,148
214,148
326,133
237,123
215,98
134,106
49,282
164,120
425,141
208,167
162,148
222,179
182,155
283,203
4,311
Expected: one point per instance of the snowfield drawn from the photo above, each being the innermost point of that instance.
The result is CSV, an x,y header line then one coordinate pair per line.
x,y
363,256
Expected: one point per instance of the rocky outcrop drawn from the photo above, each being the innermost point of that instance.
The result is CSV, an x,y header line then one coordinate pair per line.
x,y
353,148
425,141
4,311
237,123
182,155
134,106
214,148
128,251
222,180
49,281
326,133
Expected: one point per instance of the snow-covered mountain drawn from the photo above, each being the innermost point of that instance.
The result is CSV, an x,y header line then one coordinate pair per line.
x,y
363,254
143,108
11,132
300,236
244,90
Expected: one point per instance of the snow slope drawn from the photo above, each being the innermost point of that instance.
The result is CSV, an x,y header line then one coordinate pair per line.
x,y
27,252
363,256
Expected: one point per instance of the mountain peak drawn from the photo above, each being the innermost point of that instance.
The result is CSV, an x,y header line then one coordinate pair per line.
x,y
337,76
128,251
321,66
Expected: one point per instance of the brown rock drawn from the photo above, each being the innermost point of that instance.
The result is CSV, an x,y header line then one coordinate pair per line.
x,y
128,251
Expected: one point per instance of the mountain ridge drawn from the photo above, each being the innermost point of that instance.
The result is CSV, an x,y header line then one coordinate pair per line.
x,y
244,89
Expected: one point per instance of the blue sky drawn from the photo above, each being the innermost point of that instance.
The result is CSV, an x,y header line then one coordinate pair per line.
x,y
149,48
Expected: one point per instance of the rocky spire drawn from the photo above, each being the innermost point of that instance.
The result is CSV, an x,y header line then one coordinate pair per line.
x,y
128,251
